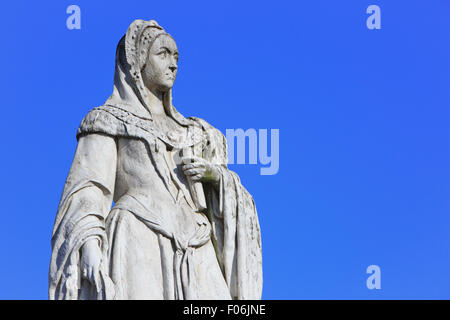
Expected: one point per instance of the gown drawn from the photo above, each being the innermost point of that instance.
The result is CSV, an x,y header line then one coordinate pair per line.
x,y
155,242
138,245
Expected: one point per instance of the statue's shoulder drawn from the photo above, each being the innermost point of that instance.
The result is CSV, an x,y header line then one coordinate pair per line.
x,y
103,119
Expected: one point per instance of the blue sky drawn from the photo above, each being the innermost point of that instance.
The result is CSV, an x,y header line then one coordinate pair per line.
x,y
363,117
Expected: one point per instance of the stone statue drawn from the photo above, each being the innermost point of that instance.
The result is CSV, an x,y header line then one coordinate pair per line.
x,y
149,209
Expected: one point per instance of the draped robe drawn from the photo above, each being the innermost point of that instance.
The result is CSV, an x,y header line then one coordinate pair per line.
x,y
155,243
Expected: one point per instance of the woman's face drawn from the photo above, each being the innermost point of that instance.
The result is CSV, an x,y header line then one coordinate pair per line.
x,y
160,69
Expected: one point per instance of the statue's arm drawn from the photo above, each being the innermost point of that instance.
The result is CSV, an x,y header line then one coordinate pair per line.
x,y
92,174
99,155
84,206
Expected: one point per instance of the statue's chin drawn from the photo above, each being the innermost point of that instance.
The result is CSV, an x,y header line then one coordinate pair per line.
x,y
166,85
169,84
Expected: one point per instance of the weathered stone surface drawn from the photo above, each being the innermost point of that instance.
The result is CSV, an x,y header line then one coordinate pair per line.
x,y
182,225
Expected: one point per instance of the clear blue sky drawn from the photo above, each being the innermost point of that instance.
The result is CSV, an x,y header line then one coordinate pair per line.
x,y
363,117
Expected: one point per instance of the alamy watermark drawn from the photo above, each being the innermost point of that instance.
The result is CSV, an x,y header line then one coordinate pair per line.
x,y
374,20
255,139
374,280
73,21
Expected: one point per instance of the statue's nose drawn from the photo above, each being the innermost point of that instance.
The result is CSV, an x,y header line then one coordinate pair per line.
x,y
173,68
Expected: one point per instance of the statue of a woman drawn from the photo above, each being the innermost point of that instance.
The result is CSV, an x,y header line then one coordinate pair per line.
x,y
181,225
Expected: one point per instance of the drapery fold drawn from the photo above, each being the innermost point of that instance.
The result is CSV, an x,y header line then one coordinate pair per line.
x,y
84,205
235,224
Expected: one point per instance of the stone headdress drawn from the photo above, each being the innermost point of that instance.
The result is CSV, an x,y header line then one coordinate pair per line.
x,y
131,55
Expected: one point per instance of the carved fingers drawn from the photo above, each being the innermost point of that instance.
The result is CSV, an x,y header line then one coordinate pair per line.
x,y
195,171
91,257
198,169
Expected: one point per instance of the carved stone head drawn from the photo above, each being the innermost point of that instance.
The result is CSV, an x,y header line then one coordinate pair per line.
x,y
160,68
146,59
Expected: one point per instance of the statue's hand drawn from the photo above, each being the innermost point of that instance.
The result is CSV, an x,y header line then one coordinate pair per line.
x,y
91,257
198,169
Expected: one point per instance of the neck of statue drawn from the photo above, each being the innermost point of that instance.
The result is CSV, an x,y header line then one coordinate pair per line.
x,y
156,102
